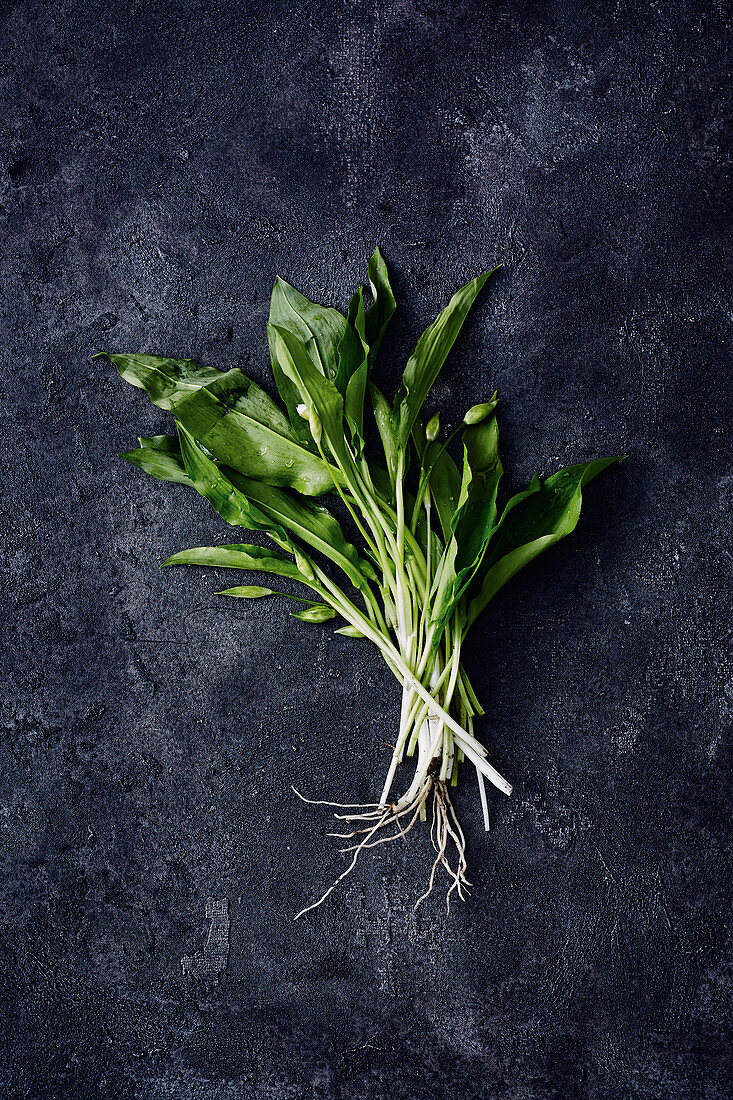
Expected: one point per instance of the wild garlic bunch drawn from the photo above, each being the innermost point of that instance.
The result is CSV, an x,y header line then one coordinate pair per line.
x,y
429,541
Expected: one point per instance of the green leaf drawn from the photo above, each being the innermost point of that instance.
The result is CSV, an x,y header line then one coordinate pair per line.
x,y
473,521
223,419
235,390
248,503
387,430
354,371
318,613
534,525
160,456
444,477
447,580
445,486
473,527
162,444
231,504
318,328
354,406
231,416
167,381
239,556
534,486
353,349
312,523
429,355
380,312
316,391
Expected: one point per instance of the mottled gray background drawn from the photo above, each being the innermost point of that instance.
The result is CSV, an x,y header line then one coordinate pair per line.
x,y
161,163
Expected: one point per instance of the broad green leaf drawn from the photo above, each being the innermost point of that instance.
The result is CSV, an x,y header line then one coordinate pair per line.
x,y
429,355
231,416
163,444
318,613
160,456
167,381
380,312
534,486
209,480
446,578
445,486
353,349
275,509
473,521
354,406
444,476
473,527
239,556
534,525
312,523
233,390
354,371
218,417
316,391
387,430
320,330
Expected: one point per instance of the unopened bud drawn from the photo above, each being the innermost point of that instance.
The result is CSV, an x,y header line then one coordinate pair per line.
x,y
314,420
315,425
304,565
367,570
477,413
432,428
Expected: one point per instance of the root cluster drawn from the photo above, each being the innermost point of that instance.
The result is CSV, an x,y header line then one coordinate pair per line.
x,y
375,825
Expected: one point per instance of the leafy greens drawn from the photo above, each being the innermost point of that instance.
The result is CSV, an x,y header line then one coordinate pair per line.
x,y
438,541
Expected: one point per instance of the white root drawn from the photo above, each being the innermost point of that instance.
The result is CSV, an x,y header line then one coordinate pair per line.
x,y
343,874
442,831
437,737
324,802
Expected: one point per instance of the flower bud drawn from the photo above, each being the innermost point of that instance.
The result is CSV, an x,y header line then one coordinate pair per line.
x,y
314,420
477,413
432,428
315,425
367,570
304,565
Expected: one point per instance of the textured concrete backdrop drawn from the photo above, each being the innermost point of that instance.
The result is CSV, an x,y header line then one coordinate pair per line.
x,y
161,163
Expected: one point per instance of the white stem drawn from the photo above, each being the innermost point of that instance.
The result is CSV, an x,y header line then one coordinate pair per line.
x,y
404,712
426,755
472,748
483,765
484,803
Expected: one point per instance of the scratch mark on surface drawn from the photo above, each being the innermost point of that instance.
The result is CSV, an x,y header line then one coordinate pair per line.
x,y
209,965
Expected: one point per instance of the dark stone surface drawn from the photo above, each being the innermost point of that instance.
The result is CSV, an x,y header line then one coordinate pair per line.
x,y
161,164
